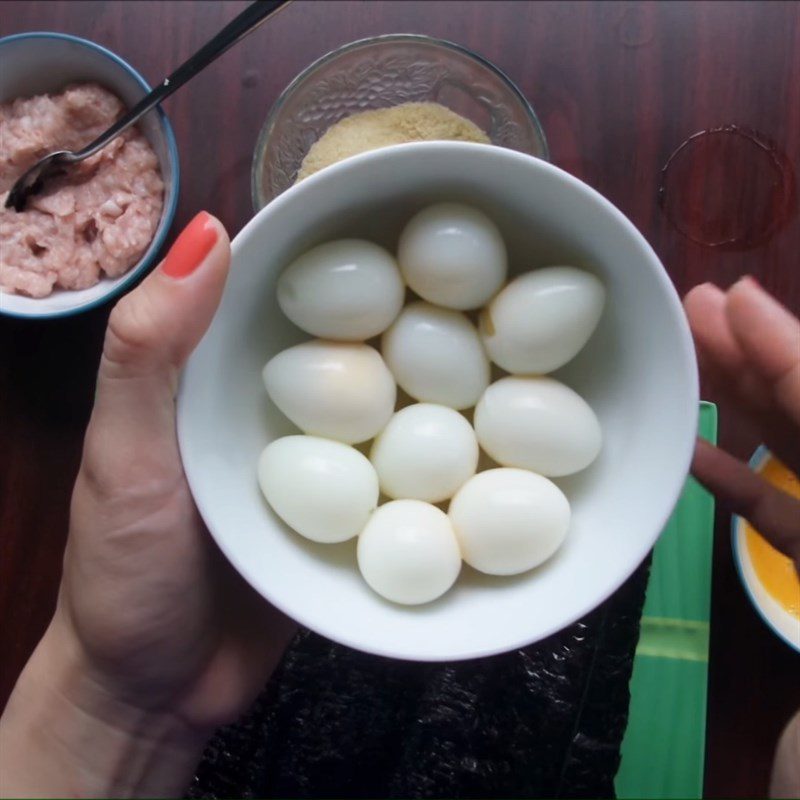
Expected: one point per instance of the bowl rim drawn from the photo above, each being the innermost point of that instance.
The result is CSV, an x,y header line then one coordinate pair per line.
x,y
168,213
256,198
756,462
683,341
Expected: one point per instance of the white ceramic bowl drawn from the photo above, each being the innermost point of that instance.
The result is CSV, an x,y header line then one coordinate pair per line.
x,y
774,615
34,63
638,372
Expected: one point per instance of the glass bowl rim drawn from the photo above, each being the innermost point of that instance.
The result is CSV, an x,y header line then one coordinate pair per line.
x,y
257,198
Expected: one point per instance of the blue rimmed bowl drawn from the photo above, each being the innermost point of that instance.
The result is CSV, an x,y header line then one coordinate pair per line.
x,y
39,62
775,616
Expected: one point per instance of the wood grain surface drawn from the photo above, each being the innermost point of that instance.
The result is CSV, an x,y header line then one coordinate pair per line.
x,y
619,87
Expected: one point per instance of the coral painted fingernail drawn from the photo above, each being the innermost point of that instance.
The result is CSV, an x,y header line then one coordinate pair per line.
x,y
192,246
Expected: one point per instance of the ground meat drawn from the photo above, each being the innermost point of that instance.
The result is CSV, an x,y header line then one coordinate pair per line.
x,y
94,221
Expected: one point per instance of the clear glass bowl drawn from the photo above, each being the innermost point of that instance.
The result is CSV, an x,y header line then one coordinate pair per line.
x,y
380,72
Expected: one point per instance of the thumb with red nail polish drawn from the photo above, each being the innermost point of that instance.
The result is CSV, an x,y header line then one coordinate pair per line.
x,y
151,332
158,324
155,640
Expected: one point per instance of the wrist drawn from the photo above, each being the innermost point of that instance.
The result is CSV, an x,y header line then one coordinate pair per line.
x,y
63,734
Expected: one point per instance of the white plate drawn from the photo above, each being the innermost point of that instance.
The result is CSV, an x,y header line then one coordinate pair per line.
x,y
638,372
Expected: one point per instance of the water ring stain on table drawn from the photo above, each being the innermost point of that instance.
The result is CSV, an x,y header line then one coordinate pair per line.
x,y
727,187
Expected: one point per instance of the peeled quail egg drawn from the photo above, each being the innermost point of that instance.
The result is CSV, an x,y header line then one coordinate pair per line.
x,y
339,390
349,289
452,255
508,521
425,452
542,319
537,423
322,489
436,355
408,552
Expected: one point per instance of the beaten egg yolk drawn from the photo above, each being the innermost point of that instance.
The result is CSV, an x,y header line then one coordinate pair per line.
x,y
775,570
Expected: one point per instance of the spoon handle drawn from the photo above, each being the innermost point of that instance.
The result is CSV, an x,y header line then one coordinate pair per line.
x,y
236,29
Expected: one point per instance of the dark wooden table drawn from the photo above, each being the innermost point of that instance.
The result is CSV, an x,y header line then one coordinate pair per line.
x,y
618,88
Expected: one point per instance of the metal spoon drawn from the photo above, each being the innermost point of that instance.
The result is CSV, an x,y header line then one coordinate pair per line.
x,y
32,180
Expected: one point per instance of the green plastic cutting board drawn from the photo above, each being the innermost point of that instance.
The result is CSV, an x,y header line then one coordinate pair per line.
x,y
663,752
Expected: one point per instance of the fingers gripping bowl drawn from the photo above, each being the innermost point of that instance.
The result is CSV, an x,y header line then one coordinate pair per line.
x,y
637,372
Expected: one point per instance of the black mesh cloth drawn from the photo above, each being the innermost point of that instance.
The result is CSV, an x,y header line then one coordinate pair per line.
x,y
544,721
